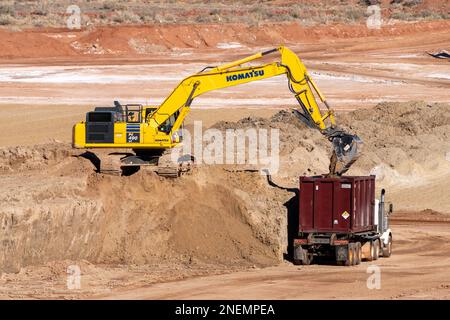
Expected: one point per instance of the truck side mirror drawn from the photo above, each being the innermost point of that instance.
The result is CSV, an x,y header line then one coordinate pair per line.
x,y
391,208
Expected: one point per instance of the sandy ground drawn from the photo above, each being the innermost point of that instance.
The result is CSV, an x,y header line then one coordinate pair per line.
x,y
417,270
128,236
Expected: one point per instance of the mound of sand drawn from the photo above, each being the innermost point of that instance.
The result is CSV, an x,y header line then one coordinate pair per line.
x,y
407,139
302,149
64,210
39,156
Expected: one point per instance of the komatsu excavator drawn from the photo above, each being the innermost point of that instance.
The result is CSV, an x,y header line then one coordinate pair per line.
x,y
151,131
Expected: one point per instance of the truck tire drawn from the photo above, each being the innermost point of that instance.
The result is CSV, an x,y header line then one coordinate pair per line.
x,y
371,251
350,255
376,249
371,257
358,253
366,250
387,250
354,254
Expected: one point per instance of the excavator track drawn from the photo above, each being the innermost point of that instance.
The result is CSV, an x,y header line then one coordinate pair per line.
x,y
111,164
163,164
170,168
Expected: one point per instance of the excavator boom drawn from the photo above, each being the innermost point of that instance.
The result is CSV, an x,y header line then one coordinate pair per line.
x,y
232,74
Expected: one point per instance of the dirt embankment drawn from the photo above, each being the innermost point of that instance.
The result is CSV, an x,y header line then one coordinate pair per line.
x,y
141,40
55,207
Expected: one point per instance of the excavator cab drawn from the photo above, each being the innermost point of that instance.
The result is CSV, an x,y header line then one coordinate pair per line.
x,y
101,123
148,111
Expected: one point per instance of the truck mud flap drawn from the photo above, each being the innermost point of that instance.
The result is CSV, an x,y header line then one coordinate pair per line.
x,y
341,253
299,253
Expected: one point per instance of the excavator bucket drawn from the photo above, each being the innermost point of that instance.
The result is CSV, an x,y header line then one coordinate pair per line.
x,y
346,147
346,150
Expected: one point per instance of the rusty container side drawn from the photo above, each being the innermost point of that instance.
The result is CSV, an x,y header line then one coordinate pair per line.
x,y
336,205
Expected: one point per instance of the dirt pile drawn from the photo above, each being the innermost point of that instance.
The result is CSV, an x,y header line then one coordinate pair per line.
x,y
26,158
196,218
411,138
57,210
302,150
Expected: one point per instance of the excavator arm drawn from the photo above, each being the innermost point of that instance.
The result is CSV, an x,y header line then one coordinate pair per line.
x,y
232,74
346,147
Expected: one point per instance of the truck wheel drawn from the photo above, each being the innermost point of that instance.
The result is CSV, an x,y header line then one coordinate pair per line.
x,y
350,255
387,250
358,253
366,250
372,251
376,249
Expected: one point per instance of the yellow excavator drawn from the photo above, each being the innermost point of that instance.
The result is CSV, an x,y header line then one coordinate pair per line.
x,y
151,131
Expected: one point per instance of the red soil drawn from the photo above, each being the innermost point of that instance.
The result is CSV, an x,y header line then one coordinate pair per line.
x,y
142,40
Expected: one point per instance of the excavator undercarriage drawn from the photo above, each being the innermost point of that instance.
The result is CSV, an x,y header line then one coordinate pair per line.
x,y
158,161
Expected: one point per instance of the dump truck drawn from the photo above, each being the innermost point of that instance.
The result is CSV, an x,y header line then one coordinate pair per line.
x,y
340,217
